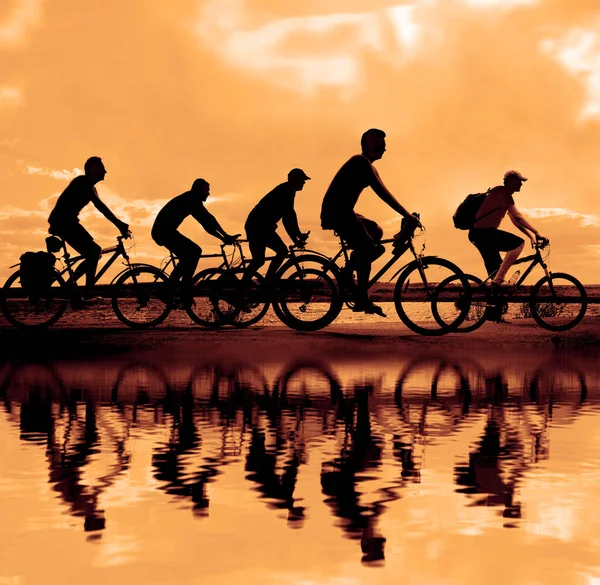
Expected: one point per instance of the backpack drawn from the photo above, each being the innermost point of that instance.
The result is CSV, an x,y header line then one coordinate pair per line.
x,y
466,212
36,273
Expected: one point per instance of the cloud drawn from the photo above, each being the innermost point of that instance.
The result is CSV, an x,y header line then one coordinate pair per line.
x,y
308,52
503,4
63,175
26,15
578,51
10,96
583,219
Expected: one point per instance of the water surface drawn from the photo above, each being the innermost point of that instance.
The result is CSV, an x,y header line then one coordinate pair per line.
x,y
426,469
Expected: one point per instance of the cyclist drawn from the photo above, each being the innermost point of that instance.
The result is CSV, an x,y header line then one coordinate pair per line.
x,y
165,230
490,240
361,234
261,225
64,218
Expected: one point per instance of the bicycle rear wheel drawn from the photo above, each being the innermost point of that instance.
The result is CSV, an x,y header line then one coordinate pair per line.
x,y
27,312
308,299
414,296
478,306
141,298
558,302
220,300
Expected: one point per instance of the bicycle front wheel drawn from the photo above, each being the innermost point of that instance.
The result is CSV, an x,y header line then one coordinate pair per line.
x,y
308,300
414,296
140,297
558,302
36,311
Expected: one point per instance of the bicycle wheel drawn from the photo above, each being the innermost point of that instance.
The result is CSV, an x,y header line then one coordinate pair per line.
x,y
202,310
558,302
414,296
29,313
140,297
218,298
308,299
478,306
255,302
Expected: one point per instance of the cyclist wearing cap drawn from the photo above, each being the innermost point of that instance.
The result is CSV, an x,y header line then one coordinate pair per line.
x,y
165,229
361,234
262,221
64,218
490,240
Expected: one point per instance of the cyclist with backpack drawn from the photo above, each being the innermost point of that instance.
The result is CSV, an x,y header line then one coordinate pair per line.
x,y
487,212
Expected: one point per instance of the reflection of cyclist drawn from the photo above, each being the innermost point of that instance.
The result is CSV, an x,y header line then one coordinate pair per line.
x,y
262,221
170,217
490,240
64,218
361,234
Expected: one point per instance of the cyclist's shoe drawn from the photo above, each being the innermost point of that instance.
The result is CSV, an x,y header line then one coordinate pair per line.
x,y
368,307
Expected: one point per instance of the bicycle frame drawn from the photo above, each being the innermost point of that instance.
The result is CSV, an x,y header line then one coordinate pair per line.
x,y
385,268
72,264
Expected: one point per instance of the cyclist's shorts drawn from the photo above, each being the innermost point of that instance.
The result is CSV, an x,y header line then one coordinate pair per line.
x,y
359,232
494,239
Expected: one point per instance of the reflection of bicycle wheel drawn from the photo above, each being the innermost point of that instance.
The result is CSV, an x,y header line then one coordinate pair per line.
x,y
33,379
212,385
414,296
442,378
553,381
308,300
308,382
478,305
140,297
33,311
558,302
140,383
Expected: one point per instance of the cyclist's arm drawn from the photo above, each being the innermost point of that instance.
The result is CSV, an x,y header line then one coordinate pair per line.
x,y
290,222
108,214
382,192
210,224
520,222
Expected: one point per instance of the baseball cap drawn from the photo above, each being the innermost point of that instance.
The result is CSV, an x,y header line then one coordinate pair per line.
x,y
515,174
298,174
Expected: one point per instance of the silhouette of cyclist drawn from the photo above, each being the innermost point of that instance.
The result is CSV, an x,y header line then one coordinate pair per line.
x,y
362,235
261,225
490,240
64,218
165,230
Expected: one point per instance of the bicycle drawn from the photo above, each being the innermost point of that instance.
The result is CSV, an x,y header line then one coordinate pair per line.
x,y
49,306
208,302
556,302
303,276
417,281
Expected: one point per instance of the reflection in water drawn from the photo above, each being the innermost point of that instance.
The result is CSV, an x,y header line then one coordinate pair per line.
x,y
368,431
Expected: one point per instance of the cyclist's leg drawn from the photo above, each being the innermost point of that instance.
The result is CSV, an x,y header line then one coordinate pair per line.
x,y
365,250
258,248
275,243
483,240
513,246
82,242
188,254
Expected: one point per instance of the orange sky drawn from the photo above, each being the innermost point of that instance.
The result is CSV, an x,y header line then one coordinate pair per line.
x,y
241,91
